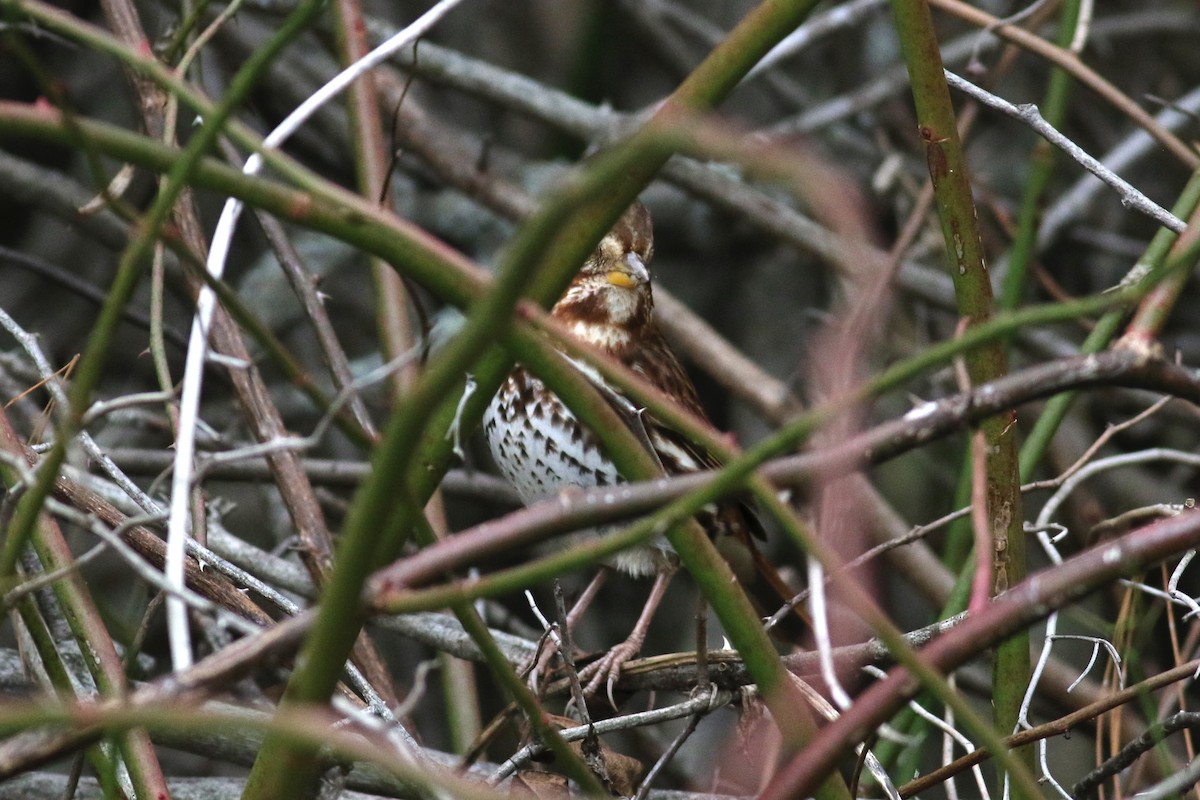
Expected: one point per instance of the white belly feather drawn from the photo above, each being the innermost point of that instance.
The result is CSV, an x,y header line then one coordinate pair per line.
x,y
542,449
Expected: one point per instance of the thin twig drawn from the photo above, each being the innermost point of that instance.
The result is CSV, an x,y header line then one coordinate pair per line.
x,y
1028,114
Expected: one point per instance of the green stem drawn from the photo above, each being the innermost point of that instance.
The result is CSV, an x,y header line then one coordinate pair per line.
x,y
973,291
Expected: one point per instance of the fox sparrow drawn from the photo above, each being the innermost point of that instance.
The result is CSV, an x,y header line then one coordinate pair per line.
x,y
542,448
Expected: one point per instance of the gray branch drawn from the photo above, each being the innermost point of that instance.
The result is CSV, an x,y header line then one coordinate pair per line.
x,y
1028,114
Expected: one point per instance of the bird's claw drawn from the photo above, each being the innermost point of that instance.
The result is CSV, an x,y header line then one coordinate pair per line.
x,y
607,670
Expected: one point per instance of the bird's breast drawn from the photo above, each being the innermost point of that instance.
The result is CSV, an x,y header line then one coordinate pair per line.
x,y
539,445
542,449
601,335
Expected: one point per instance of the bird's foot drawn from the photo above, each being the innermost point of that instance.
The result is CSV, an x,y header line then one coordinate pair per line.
x,y
607,670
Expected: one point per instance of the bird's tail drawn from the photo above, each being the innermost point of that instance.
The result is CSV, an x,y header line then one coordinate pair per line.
x,y
770,592
766,588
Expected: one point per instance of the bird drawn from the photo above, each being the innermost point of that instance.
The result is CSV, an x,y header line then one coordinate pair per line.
x,y
542,448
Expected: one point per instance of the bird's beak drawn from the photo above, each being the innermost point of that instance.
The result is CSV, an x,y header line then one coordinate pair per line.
x,y
630,274
621,279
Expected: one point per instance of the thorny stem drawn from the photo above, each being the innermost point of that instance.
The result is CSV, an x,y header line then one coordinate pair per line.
x,y
973,289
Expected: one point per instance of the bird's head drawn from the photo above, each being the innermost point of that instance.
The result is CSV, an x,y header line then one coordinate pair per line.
x,y
610,299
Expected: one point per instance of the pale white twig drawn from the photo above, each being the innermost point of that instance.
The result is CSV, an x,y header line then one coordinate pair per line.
x,y
1146,588
873,763
948,742
103,407
1044,763
189,407
551,630
454,432
819,611
1042,530
416,691
1097,643
1173,584
1083,26
407,748
1160,594
952,734
1112,462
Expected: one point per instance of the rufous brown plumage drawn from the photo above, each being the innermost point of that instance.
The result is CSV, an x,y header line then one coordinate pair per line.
x,y
542,448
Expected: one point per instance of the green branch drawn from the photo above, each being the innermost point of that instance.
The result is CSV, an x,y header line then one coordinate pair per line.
x,y
973,290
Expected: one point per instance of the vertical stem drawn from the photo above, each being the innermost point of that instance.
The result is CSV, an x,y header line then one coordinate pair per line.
x,y
956,210
371,162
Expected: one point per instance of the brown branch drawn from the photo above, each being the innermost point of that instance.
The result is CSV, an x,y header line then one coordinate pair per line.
x,y
1058,727
1027,602
206,582
930,421
304,284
